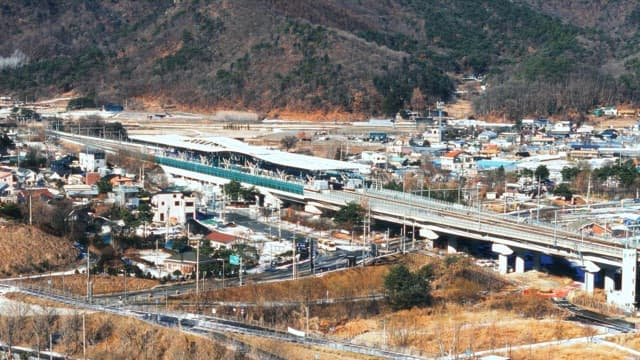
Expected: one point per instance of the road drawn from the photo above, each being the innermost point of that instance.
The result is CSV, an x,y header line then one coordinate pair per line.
x,y
324,261
203,325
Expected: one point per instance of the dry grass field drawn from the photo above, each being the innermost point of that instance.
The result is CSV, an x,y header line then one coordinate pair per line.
x,y
102,284
26,249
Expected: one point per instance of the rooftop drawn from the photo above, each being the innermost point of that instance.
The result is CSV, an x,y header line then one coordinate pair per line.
x,y
224,144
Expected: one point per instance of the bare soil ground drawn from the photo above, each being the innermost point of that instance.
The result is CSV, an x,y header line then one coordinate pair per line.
x,y
25,249
461,109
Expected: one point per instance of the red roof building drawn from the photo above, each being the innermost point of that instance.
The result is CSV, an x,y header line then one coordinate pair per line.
x,y
221,240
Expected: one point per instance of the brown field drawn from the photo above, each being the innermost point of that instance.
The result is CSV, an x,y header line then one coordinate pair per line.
x,y
629,340
26,249
501,319
352,283
456,328
295,351
116,337
33,300
102,284
589,351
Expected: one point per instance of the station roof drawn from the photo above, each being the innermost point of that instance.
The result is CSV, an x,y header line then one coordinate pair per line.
x,y
224,144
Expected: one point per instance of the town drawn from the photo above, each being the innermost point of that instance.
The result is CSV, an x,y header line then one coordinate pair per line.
x,y
251,201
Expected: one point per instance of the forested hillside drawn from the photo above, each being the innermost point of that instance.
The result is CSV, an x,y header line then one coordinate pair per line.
x,y
360,57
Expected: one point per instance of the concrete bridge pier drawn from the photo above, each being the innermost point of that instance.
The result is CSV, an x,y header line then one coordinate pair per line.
x,y
452,246
626,296
609,282
590,270
503,263
589,280
503,256
519,263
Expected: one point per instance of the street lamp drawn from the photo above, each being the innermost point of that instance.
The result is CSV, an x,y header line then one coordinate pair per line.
x,y
478,201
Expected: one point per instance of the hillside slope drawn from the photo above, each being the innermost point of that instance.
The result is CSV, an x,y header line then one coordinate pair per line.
x,y
26,249
362,57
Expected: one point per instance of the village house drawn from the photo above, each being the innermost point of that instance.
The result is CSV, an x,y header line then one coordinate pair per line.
x,y
6,180
458,161
173,207
120,180
185,262
92,160
220,240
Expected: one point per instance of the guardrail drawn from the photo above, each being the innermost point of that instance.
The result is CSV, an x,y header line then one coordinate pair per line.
x,y
422,210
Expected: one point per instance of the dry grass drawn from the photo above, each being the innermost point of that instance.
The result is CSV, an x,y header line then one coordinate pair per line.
x,y
102,284
33,300
349,283
629,340
114,337
26,249
296,351
455,328
589,351
596,302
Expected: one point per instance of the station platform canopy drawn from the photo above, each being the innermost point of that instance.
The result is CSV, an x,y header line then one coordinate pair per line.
x,y
218,144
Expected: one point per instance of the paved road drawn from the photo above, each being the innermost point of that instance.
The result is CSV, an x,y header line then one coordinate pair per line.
x,y
203,325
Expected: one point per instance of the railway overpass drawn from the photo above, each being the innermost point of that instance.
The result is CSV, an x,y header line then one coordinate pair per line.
x,y
507,236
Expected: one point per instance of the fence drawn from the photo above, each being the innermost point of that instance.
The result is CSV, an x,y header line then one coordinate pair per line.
x,y
233,175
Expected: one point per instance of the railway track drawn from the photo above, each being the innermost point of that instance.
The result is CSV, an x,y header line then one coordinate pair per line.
x,y
592,318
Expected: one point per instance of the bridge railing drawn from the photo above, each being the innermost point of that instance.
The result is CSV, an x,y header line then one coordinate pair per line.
x,y
440,214
435,203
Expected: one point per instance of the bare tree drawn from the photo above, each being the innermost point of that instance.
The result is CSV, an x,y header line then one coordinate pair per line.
x,y
71,332
42,325
289,142
13,324
418,101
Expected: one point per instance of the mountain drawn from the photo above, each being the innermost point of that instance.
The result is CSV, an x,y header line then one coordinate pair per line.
x,y
351,57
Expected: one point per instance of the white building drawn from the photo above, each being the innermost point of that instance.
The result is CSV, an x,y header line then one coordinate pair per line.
x,y
375,158
173,208
6,177
458,161
91,161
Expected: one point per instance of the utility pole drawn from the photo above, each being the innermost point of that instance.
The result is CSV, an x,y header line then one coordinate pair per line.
x,y
197,274
84,339
240,270
589,192
555,227
404,231
293,242
88,275
279,221
364,237
306,332
125,283
413,235
538,207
